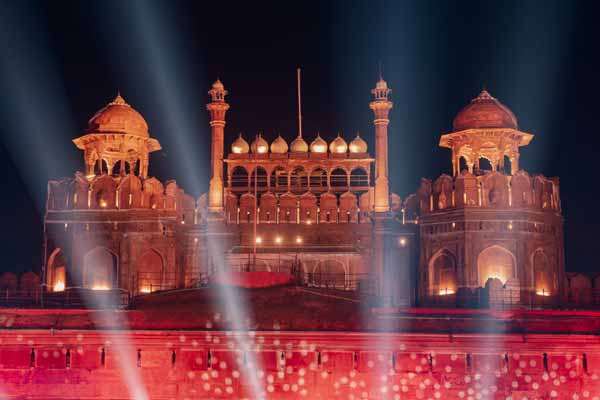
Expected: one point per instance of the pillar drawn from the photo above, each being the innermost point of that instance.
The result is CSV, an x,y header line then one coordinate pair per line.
x,y
217,108
381,107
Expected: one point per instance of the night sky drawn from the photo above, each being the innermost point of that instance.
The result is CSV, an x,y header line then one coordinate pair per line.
x,y
60,62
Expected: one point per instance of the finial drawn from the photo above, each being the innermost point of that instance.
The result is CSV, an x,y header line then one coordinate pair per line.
x,y
380,73
119,100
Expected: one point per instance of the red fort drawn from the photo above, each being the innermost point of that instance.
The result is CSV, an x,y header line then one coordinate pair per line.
x,y
300,275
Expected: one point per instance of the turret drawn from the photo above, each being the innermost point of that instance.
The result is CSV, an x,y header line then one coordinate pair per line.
x,y
217,108
381,107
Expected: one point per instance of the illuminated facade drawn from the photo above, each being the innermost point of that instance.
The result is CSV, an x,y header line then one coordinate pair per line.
x,y
317,221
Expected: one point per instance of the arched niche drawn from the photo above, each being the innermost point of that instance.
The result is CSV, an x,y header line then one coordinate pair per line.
x,y
150,272
56,271
544,277
100,269
495,262
443,273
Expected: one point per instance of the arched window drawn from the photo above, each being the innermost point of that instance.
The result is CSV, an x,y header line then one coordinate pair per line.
x,y
99,269
239,178
338,178
484,166
359,179
279,180
507,166
318,179
495,262
100,167
462,164
260,179
329,273
299,180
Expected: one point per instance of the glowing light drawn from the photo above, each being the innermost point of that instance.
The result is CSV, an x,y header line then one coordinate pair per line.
x,y
510,226
278,240
319,148
298,240
258,240
542,292
262,149
237,150
340,149
100,287
145,289
59,286
103,203
308,222
446,291
402,242
453,225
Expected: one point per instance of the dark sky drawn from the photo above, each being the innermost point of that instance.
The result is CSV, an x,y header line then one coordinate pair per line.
x,y
62,61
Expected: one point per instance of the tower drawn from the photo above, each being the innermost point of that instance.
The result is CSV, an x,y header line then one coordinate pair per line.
x,y
381,107
217,108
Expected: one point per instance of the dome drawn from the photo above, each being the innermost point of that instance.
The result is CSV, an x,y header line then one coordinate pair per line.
x,y
118,117
259,145
279,145
299,145
318,145
381,84
240,146
218,85
484,111
358,145
338,145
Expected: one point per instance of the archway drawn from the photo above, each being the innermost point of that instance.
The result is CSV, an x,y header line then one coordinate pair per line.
x,y
462,164
442,272
56,271
151,274
99,269
495,262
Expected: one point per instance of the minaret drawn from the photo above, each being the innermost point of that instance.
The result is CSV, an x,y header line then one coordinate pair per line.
x,y
217,108
381,107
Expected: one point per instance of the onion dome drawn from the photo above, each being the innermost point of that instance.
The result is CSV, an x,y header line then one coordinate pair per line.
x,y
299,145
484,111
279,145
318,145
240,146
338,145
259,145
358,145
118,117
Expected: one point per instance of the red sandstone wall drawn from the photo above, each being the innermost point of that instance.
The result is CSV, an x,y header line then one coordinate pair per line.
x,y
175,364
